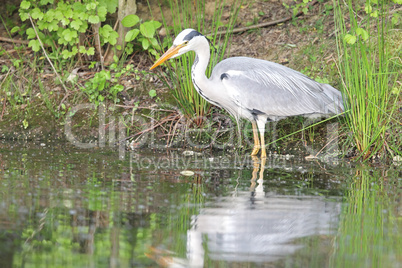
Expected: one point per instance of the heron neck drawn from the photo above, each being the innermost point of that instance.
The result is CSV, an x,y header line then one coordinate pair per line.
x,y
199,68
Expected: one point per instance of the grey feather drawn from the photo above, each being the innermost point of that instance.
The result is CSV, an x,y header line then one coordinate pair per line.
x,y
274,89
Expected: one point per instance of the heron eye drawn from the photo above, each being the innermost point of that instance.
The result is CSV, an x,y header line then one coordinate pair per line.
x,y
186,42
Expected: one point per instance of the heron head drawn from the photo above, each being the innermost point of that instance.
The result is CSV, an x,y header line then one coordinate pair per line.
x,y
184,42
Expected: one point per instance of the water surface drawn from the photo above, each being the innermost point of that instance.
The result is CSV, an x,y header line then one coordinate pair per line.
x,y
61,206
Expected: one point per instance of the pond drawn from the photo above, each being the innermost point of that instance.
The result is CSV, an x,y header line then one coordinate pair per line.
x,y
62,206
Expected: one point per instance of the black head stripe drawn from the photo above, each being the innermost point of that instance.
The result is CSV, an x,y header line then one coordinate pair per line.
x,y
191,35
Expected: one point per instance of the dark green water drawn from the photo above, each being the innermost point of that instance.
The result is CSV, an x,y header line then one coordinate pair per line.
x,y
61,206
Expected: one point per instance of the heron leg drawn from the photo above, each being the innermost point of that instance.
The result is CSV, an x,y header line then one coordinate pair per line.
x,y
261,128
256,147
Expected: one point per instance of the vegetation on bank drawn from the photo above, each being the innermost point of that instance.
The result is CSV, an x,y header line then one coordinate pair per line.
x,y
81,58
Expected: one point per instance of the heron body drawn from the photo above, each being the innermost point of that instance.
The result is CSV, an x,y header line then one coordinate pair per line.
x,y
254,89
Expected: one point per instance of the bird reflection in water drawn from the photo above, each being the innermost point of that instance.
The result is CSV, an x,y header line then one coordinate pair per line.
x,y
253,226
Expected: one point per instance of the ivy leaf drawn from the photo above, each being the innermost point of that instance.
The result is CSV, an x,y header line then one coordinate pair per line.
x,y
69,13
45,2
91,6
53,26
69,35
113,38
350,39
31,33
34,44
130,20
102,13
36,14
25,4
24,16
42,25
111,5
93,19
65,53
91,51
76,24
131,35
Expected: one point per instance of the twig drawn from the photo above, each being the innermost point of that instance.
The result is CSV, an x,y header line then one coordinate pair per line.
x,y
47,57
10,40
262,25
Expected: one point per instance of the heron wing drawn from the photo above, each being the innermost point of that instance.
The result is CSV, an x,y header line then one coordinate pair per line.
x,y
273,89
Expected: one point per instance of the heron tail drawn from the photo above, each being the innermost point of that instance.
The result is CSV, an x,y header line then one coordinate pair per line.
x,y
334,103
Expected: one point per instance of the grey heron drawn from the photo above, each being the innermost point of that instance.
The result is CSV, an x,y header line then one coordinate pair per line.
x,y
254,89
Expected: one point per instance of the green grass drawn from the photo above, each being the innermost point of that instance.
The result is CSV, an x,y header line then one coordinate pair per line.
x,y
367,75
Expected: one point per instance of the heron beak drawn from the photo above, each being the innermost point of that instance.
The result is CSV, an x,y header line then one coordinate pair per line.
x,y
173,50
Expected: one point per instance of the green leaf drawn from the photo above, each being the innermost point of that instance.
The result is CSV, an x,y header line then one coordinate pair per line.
x,y
156,24
69,35
363,33
350,39
154,43
45,2
147,29
102,13
31,33
91,51
25,124
131,35
113,38
24,16
37,14
34,44
115,58
368,8
93,19
25,4
49,15
53,26
82,49
152,93
130,20
76,24
374,14
91,6
111,5
15,29
145,43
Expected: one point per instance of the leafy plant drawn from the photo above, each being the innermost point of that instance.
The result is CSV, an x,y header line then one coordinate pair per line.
x,y
146,34
367,76
65,22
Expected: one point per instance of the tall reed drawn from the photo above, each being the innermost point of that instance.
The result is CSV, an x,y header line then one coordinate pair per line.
x,y
192,14
366,72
